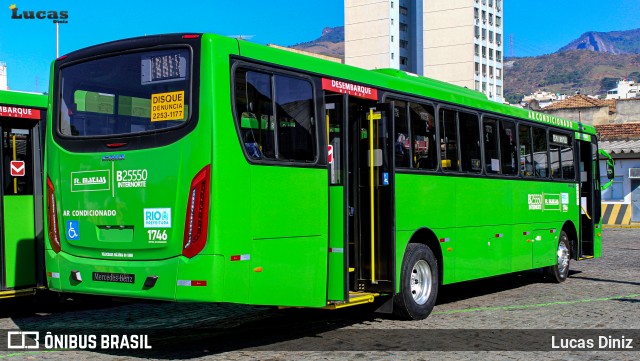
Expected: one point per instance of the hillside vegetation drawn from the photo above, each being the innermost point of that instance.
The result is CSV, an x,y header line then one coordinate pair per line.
x,y
567,72
591,64
616,42
331,43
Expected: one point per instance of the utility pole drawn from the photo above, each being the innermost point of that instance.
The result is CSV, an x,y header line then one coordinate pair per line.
x,y
57,40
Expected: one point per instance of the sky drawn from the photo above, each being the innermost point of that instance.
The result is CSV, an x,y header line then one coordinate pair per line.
x,y
531,27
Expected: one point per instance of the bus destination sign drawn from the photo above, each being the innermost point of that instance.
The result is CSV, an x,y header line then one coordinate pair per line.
x,y
18,112
359,91
559,138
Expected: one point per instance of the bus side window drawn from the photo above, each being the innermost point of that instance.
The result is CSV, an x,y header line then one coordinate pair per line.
x,y
295,121
254,112
508,148
526,151
490,141
423,133
249,122
540,158
469,143
568,169
402,144
449,140
554,152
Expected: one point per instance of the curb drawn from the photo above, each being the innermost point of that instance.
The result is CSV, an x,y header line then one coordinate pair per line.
x,y
605,226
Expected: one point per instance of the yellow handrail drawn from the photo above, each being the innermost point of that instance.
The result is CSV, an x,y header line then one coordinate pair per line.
x,y
372,195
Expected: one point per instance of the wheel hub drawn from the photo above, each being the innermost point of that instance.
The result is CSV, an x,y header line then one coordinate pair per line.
x,y
420,282
563,257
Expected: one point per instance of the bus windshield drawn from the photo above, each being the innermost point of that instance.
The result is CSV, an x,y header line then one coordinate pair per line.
x,y
125,94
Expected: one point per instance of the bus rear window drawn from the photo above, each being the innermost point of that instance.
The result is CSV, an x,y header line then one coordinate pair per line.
x,y
125,94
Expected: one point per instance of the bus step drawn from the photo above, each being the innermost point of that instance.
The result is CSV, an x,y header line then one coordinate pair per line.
x,y
582,258
17,293
355,298
352,269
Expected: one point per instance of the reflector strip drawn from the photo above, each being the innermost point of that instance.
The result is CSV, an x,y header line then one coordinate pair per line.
x,y
526,233
53,274
336,250
552,231
241,257
444,240
499,235
189,283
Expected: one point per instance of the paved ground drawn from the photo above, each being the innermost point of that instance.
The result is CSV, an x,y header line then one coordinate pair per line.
x,y
520,311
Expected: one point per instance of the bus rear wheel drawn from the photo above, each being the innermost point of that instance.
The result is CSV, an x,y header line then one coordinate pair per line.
x,y
560,270
419,281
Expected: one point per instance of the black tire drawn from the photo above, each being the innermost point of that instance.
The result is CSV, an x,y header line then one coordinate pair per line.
x,y
559,272
420,268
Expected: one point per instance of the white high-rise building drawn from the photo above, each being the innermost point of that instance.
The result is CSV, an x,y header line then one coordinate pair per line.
x,y
457,41
3,76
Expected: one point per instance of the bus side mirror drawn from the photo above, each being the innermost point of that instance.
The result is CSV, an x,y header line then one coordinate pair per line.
x,y
610,171
610,168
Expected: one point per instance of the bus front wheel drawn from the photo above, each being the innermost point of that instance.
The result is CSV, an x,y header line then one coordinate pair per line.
x,y
418,283
560,270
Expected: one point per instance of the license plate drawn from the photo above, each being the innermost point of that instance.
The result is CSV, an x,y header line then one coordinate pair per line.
x,y
114,277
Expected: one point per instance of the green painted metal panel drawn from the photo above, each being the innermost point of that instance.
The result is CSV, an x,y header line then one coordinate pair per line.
x,y
20,241
102,197
337,244
545,245
23,99
483,221
289,235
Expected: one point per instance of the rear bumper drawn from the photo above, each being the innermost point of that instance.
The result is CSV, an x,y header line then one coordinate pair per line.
x,y
175,277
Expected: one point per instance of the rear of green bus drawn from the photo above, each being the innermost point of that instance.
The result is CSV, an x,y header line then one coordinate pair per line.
x,y
128,171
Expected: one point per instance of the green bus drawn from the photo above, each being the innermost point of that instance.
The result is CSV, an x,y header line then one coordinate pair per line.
x,y
22,120
195,167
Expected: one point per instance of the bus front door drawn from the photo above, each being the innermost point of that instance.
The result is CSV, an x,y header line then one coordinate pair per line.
x,y
20,206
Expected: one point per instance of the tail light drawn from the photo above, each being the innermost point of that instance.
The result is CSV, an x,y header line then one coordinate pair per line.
x,y
197,220
52,217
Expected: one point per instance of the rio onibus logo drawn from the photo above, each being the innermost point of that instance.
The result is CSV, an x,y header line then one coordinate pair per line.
x,y
60,17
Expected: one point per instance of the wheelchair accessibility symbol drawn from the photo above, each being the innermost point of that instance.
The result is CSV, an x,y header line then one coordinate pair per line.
x,y
73,231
